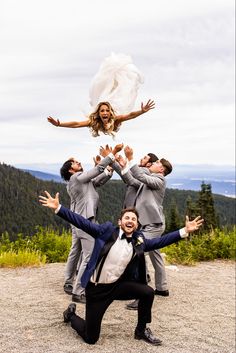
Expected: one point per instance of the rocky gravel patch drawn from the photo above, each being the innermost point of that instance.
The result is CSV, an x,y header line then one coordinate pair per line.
x,y
197,317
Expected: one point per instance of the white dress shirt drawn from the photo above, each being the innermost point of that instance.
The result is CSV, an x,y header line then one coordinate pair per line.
x,y
116,261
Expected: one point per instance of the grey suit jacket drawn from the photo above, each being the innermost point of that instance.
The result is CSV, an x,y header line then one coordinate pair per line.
x,y
131,190
132,185
149,196
82,192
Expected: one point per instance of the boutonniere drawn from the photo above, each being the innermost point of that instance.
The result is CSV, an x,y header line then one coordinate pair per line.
x,y
139,240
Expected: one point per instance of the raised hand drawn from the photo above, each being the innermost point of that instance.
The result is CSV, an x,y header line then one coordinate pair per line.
x,y
49,201
97,160
104,151
121,160
149,105
191,226
128,153
53,121
117,148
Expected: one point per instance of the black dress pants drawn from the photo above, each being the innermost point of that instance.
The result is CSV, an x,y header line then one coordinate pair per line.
x,y
98,299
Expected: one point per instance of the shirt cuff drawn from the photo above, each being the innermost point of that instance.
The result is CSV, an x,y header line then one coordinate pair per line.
x,y
58,209
125,170
183,233
132,163
111,155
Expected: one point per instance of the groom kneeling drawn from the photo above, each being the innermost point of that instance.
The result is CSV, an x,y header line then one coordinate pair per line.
x,y
116,269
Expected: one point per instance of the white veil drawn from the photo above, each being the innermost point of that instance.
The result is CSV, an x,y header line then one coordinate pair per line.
x,y
116,82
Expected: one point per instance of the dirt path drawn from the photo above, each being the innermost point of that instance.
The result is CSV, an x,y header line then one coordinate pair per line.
x,y
198,317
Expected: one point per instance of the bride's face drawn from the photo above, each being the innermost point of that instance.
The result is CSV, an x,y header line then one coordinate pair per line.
x,y
105,115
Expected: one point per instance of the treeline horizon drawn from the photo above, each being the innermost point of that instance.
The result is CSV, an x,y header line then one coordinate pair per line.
x,y
20,211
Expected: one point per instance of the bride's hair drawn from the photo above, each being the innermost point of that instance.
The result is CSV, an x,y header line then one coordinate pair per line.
x,y
96,124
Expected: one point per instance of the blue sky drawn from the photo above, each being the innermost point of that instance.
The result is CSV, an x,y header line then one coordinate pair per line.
x,y
51,50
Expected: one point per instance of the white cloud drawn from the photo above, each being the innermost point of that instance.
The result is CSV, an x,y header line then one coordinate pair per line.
x,y
50,50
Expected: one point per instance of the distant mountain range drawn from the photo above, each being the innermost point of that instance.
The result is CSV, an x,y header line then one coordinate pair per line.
x,y
221,178
44,176
183,177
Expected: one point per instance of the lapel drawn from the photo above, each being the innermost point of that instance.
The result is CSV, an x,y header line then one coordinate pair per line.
x,y
138,192
108,244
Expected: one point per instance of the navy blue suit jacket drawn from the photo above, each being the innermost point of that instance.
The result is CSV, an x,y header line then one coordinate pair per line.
x,y
107,232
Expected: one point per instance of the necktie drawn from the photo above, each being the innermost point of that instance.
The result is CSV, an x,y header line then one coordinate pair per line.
x,y
124,236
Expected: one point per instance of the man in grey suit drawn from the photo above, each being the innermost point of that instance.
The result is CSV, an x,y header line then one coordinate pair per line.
x,y
84,200
148,201
131,190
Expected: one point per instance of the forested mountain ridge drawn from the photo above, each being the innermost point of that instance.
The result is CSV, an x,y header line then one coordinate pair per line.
x,y
20,211
113,192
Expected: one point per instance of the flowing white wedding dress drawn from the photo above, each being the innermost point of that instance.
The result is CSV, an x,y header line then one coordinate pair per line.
x,y
116,82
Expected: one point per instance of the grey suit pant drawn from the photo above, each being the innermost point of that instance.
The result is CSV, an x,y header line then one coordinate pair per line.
x,y
73,258
79,255
155,231
87,244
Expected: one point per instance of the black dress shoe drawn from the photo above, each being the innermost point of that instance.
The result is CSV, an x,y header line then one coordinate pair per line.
x,y
69,312
68,288
163,293
79,298
147,336
133,305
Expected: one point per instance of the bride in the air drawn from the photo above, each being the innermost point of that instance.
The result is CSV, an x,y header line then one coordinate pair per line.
x,y
112,95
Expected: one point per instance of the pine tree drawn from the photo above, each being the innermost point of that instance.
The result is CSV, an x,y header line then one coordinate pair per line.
x,y
206,209
191,208
173,222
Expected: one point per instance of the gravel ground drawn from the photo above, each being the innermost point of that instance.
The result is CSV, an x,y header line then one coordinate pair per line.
x,y
197,317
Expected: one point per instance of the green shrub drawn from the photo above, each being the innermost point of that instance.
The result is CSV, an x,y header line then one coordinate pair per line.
x,y
54,245
218,244
48,242
22,258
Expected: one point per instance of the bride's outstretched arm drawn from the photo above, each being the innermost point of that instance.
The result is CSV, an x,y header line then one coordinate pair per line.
x,y
72,124
144,109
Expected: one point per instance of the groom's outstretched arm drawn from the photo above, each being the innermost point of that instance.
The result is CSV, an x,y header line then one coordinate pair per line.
x,y
77,220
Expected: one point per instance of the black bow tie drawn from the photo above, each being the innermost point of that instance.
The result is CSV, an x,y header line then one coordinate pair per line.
x,y
124,236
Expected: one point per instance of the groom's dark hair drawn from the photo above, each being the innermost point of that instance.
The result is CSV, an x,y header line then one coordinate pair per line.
x,y
129,209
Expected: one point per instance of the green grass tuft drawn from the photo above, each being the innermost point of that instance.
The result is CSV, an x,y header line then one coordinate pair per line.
x,y
21,258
